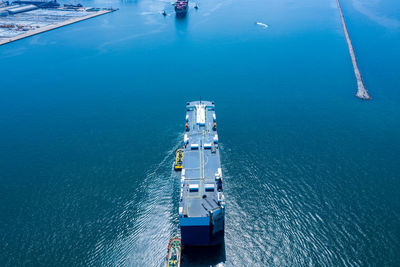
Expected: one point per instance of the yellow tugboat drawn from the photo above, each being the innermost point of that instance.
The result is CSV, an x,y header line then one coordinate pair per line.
x,y
174,253
178,160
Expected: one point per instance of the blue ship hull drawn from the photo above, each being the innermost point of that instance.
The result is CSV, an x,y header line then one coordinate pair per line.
x,y
195,235
200,236
202,232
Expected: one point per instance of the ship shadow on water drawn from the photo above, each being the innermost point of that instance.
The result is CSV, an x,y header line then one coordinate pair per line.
x,y
203,256
181,22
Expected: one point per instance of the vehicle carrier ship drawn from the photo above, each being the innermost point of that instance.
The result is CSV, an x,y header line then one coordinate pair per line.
x,y
202,203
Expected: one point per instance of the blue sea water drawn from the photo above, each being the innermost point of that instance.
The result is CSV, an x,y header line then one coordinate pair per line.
x,y
90,115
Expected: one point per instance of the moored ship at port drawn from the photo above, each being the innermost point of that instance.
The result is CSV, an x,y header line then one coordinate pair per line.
x,y
202,203
181,7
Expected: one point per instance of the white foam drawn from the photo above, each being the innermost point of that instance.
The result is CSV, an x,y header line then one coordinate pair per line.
x,y
262,24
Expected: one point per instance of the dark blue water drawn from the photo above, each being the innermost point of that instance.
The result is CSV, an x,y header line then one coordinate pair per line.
x,y
90,115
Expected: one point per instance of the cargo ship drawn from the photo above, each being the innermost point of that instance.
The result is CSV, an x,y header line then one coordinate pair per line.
x,y
181,7
202,202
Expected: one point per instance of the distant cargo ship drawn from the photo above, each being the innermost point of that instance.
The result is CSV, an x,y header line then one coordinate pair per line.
x,y
181,7
202,202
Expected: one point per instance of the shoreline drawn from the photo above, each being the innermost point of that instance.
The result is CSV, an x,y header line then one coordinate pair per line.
x,y
55,26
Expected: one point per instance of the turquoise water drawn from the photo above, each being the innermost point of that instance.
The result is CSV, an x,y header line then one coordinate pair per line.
x,y
90,115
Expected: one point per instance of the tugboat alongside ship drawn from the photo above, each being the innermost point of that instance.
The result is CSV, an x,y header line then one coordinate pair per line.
x,y
178,159
174,252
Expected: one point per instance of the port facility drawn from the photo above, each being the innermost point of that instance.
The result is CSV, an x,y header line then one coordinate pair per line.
x,y
18,21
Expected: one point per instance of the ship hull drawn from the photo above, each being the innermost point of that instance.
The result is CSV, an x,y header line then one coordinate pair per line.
x,y
194,233
181,13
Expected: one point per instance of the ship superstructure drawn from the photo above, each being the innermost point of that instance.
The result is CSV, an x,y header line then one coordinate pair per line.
x,y
202,203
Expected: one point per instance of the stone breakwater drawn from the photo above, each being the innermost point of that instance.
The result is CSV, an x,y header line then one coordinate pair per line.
x,y
361,90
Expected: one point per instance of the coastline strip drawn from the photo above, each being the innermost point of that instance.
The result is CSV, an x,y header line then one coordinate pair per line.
x,y
54,26
361,90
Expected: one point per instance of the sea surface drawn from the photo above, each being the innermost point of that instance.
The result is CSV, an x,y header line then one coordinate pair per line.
x,y
91,114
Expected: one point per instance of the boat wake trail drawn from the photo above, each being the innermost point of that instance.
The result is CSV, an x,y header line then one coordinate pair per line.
x,y
155,221
262,25
271,218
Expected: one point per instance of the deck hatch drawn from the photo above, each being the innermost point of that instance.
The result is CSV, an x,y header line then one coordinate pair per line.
x,y
200,115
209,187
193,188
194,146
